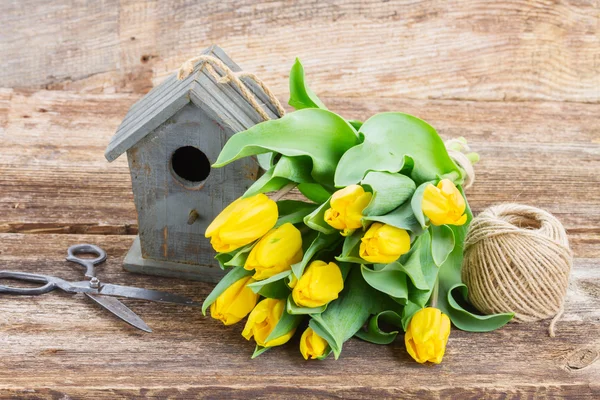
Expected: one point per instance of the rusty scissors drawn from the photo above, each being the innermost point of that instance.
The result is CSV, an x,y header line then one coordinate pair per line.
x,y
102,293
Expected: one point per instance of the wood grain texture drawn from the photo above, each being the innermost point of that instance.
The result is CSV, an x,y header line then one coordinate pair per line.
x,y
164,203
78,350
479,50
56,190
519,79
54,178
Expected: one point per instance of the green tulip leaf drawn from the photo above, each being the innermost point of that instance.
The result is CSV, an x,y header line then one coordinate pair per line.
x,y
394,142
314,192
274,287
344,269
375,334
324,332
233,276
452,292
294,309
265,160
417,205
223,258
300,94
275,290
325,354
407,313
389,191
356,124
258,350
287,323
293,211
466,320
421,270
391,280
316,220
347,314
240,256
401,217
294,169
351,249
321,242
256,286
442,243
319,134
266,183
414,270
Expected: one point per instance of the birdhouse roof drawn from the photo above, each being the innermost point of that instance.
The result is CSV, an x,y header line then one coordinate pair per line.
x,y
222,101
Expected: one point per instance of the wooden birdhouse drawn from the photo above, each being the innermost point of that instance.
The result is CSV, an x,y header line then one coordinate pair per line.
x,y
172,136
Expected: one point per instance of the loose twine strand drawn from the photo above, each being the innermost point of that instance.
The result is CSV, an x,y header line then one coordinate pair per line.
x,y
517,259
235,78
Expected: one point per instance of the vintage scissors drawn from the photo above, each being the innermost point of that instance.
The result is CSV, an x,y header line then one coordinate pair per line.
x,y
102,293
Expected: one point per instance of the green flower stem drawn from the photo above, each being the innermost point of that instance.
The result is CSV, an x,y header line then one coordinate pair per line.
x,y
435,293
453,176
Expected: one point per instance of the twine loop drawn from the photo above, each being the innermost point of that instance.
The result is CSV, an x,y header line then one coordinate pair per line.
x,y
234,78
517,259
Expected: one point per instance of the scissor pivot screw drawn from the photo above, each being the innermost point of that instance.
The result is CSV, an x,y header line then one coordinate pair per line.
x,y
95,283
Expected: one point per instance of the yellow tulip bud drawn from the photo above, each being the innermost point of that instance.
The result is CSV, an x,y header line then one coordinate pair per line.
x,y
444,204
242,222
275,252
383,244
312,345
263,319
235,302
320,284
427,335
346,209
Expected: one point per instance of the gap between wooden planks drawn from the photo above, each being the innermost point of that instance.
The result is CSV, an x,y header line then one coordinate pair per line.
x,y
61,344
54,178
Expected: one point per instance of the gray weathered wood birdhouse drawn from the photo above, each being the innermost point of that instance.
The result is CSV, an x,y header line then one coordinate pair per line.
x,y
172,136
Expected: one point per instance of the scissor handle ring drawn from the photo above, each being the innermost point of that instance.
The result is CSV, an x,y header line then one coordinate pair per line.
x,y
87,249
88,263
49,284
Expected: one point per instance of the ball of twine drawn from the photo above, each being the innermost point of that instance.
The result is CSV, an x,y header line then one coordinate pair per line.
x,y
517,259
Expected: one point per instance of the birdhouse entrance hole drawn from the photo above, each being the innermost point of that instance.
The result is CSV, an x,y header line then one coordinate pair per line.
x,y
190,165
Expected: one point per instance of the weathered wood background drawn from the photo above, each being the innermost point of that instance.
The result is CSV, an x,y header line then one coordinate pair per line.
x,y
520,79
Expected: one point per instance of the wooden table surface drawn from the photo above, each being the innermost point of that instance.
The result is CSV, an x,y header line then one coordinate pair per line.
x,y
519,79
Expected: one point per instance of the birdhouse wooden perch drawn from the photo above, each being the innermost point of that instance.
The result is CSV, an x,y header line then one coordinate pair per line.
x,y
172,136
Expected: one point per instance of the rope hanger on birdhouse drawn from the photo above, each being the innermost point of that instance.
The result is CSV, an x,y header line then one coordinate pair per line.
x,y
232,77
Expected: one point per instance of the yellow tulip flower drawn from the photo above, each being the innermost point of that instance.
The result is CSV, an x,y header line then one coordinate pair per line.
x,y
275,252
242,222
427,335
312,345
444,204
320,284
235,302
263,319
383,244
346,209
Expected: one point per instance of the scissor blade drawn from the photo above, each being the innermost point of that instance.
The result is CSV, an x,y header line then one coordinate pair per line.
x,y
120,310
145,294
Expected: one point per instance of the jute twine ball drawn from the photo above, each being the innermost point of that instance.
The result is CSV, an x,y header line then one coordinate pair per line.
x,y
517,259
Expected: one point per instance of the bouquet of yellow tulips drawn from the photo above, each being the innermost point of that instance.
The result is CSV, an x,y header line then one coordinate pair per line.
x,y
376,248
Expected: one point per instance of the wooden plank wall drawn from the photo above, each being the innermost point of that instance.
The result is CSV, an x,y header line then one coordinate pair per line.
x,y
435,49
